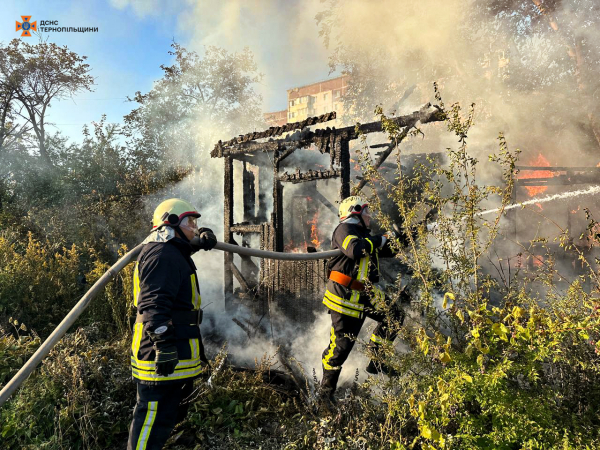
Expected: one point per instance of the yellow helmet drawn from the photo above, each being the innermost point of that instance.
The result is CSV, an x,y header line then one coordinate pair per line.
x,y
352,206
171,212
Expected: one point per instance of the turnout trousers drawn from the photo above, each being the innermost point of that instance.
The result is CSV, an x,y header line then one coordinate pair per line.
x,y
157,410
344,331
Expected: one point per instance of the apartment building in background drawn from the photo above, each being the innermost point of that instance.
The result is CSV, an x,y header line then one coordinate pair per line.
x,y
311,100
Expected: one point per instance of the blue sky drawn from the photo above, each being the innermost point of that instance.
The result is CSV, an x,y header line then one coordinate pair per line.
x,y
135,35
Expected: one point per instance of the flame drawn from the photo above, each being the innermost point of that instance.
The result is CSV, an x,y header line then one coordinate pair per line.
x,y
314,234
540,161
538,261
539,205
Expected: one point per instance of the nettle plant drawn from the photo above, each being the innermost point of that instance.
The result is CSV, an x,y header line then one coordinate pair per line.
x,y
488,363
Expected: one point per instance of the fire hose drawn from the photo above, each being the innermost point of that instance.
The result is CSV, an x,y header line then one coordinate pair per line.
x,y
84,302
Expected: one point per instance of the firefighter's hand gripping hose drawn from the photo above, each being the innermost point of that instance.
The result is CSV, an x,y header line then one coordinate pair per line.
x,y
84,302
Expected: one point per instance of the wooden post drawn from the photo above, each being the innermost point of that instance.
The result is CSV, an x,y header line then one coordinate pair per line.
x,y
277,218
345,165
227,234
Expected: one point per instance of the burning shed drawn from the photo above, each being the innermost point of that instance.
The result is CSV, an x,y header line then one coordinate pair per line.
x,y
254,176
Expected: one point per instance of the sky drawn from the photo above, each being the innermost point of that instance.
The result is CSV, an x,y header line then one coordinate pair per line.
x,y
134,38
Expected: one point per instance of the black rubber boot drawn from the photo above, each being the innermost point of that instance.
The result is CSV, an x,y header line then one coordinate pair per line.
x,y
375,368
328,386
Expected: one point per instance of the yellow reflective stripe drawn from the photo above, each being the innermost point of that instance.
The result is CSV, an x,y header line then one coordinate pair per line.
x,y
369,241
151,376
363,268
341,309
341,301
196,299
355,297
194,347
329,354
347,241
137,339
183,364
136,284
147,427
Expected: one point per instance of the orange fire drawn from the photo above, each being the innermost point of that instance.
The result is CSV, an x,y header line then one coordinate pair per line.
x,y
314,234
540,161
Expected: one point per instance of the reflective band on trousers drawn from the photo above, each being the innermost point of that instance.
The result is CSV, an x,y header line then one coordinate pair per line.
x,y
329,354
147,427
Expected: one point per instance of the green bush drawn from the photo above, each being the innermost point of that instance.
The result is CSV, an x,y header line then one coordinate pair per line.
x,y
521,372
81,397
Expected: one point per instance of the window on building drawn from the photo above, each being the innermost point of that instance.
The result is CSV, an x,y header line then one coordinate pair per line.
x,y
336,94
325,96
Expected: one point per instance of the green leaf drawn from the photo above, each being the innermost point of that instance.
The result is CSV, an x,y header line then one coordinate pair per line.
x,y
429,433
445,358
500,330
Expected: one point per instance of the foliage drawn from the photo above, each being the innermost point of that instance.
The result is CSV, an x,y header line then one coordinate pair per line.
x,y
491,364
198,101
40,283
32,76
80,398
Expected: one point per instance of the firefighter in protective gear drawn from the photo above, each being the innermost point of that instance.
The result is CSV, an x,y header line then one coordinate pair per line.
x,y
346,297
166,350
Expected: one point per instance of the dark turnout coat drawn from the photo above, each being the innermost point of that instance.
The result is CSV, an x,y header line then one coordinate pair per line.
x,y
360,261
164,284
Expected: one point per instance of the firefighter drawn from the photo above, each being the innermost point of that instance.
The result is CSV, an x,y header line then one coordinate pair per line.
x,y
346,298
166,350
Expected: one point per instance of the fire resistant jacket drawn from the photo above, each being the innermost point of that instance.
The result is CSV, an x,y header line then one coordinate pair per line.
x,y
164,280
359,260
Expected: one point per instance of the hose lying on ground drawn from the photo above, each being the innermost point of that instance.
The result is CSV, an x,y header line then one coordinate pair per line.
x,y
82,304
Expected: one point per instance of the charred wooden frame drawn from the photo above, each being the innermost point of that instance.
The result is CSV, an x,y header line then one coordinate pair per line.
x,y
302,280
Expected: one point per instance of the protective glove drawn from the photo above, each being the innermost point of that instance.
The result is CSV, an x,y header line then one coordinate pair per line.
x,y
384,239
205,240
163,340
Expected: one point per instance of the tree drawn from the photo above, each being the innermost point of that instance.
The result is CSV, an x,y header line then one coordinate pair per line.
x,y
32,76
198,101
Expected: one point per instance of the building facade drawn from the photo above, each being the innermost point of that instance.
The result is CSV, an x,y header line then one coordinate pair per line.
x,y
311,100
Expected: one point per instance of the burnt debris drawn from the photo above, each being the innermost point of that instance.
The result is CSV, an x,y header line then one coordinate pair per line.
x,y
294,287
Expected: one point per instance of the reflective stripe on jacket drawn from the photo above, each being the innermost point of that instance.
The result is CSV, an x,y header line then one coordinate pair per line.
x,y
359,260
165,280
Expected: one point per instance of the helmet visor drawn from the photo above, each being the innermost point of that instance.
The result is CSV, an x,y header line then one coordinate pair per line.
x,y
189,222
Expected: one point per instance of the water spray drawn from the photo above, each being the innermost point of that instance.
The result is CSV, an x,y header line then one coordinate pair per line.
x,y
535,201
564,195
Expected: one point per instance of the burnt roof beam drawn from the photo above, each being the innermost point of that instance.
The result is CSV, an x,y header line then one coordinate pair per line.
x,y
426,114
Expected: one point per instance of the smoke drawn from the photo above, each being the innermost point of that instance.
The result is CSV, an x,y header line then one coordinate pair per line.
x,y
388,47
